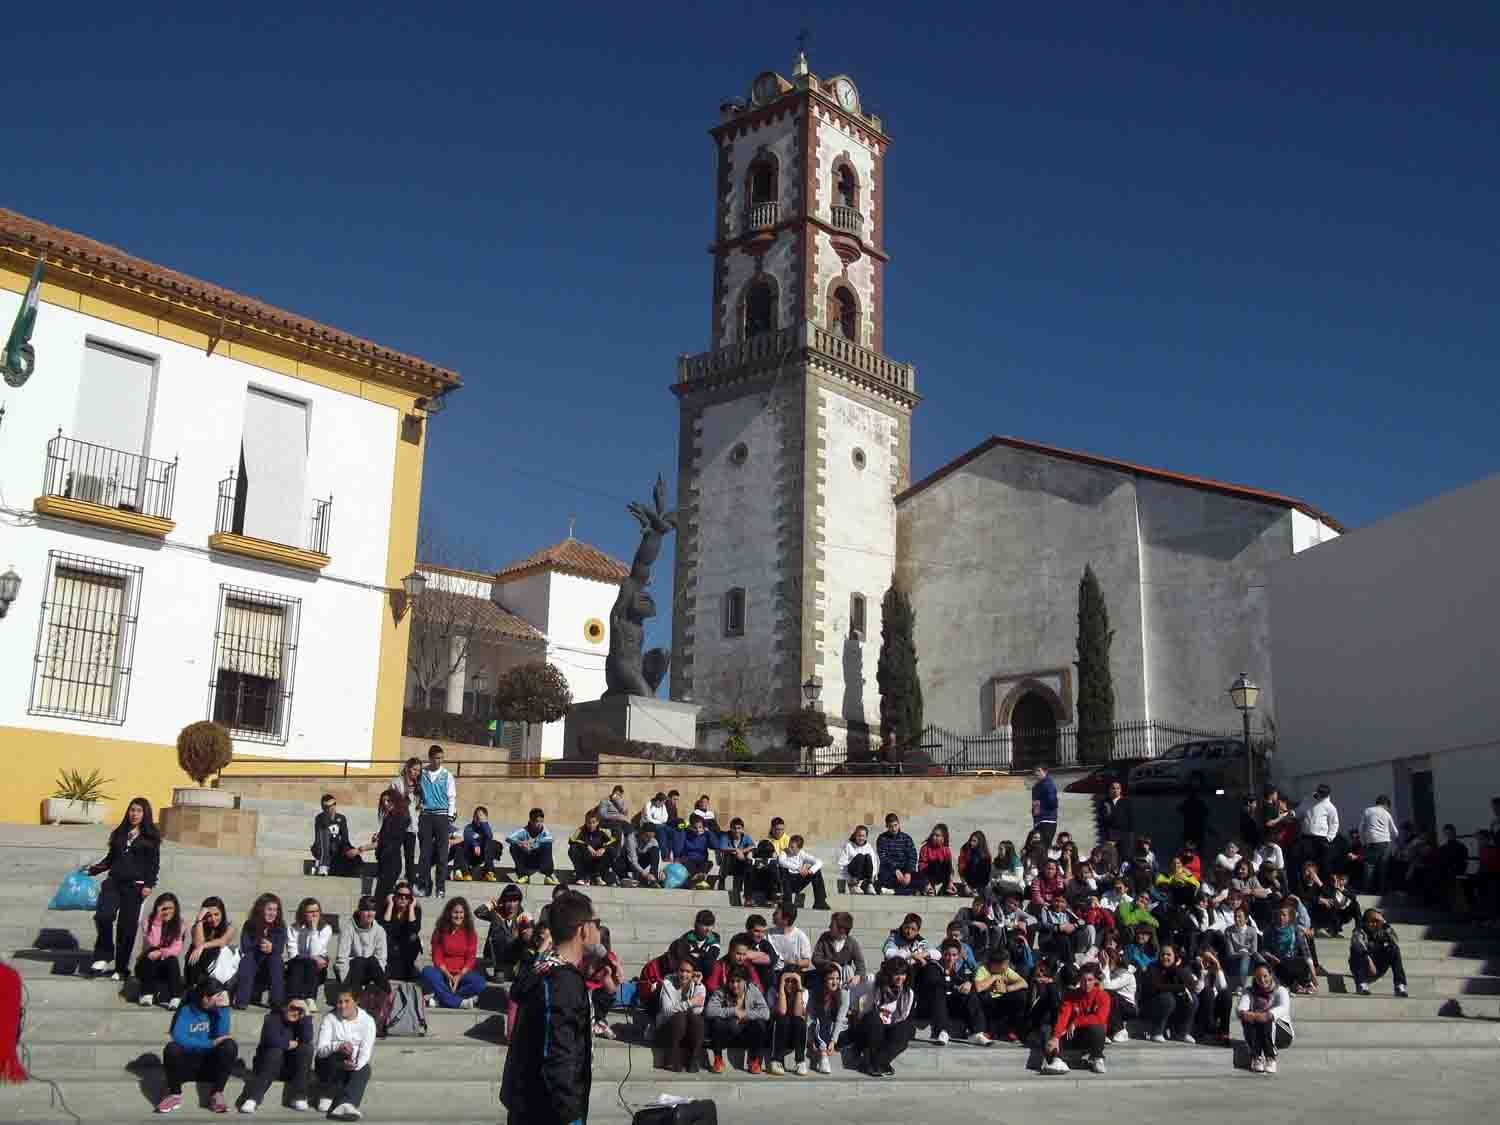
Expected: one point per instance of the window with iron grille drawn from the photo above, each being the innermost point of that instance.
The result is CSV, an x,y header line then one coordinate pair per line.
x,y
86,638
255,663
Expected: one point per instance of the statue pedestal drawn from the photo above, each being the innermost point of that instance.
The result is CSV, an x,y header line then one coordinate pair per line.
x,y
634,717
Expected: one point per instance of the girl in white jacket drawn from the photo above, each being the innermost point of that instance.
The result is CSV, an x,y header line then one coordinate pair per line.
x,y
857,862
346,1042
309,946
1265,1013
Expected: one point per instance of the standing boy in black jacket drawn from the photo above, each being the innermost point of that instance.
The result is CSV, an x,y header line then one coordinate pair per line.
x,y
549,1064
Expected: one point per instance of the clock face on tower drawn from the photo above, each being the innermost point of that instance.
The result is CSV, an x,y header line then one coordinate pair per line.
x,y
766,88
845,93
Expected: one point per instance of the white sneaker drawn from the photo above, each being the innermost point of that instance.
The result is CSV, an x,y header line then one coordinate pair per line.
x,y
325,1104
469,1002
344,1112
802,1069
825,1065
1096,1064
1362,989
300,1105
884,891
980,1039
856,889
1257,1065
248,1105
1121,1036
777,1069
1055,1065
941,1039
1270,1066
322,870
147,999
100,966
173,1004
1158,1039
1188,1039
116,976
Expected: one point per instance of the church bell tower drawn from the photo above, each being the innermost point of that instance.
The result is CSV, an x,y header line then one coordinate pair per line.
x,y
795,427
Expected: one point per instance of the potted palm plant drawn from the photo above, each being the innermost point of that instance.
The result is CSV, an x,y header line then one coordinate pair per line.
x,y
203,749
77,799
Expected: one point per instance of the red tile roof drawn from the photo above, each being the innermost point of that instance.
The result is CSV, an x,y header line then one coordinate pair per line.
x,y
449,608
101,259
571,556
1128,467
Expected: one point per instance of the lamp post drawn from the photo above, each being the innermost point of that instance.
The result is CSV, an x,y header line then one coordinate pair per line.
x,y
812,689
10,588
413,586
1245,693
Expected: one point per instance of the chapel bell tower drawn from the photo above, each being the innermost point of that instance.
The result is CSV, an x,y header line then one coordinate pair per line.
x,y
795,427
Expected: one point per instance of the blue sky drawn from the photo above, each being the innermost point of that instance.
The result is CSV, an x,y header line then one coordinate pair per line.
x,y
1257,247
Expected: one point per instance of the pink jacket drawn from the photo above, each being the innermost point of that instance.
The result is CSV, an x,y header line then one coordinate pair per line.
x,y
151,934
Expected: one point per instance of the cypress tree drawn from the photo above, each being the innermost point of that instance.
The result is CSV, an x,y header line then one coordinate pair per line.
x,y
1096,688
900,688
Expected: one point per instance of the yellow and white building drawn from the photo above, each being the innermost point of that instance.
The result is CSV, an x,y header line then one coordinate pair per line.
x,y
211,504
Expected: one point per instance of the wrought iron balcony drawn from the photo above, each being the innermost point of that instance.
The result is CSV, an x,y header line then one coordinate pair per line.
x,y
230,535
108,487
848,219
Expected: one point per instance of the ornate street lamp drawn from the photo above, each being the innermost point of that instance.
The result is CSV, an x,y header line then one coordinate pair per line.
x,y
10,587
413,586
812,690
1245,693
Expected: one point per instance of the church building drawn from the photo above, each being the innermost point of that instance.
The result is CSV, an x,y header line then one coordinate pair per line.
x,y
797,507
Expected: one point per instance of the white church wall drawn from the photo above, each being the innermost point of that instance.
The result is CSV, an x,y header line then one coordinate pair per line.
x,y
993,554
1309,532
779,138
859,537
738,548
779,261
1384,652
1203,591
834,140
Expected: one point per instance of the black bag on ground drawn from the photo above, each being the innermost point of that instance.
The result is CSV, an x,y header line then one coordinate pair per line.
x,y
702,1112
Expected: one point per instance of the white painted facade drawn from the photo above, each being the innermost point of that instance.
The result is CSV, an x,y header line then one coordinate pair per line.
x,y
1386,649
778,139
859,520
738,549
559,607
196,409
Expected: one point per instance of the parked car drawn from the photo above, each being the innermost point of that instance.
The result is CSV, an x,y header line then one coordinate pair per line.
x,y
1097,780
1216,763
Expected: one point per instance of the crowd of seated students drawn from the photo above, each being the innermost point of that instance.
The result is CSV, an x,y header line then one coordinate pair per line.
x,y
1049,947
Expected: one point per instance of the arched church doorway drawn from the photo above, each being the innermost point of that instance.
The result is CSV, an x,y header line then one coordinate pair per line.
x,y
1033,732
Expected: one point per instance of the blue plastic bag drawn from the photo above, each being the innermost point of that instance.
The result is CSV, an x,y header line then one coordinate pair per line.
x,y
674,875
78,892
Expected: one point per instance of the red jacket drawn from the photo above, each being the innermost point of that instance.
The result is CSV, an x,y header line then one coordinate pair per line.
x,y
657,970
929,854
719,975
457,951
1082,1009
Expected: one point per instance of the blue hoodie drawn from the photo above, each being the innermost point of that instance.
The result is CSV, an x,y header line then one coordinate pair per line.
x,y
477,835
522,835
693,847
196,1029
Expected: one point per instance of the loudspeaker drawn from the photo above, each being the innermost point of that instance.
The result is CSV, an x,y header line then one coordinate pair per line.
x,y
702,1112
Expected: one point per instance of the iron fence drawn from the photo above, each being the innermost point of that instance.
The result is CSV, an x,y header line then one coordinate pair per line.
x,y
230,514
111,478
1010,750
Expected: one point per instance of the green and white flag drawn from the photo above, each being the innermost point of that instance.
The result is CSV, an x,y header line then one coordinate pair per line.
x,y
20,356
